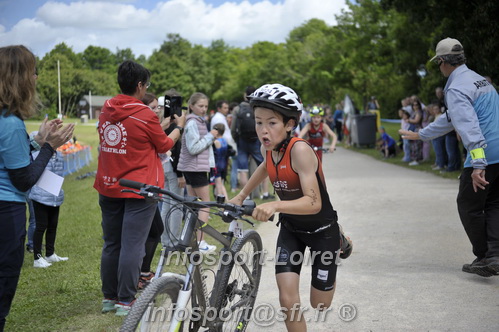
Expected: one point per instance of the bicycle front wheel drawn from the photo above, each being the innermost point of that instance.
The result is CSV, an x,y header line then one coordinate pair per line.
x,y
154,308
237,287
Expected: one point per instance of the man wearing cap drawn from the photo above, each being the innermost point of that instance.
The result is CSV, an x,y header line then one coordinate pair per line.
x,y
473,111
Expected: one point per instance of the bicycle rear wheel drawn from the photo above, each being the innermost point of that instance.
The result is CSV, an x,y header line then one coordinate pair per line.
x,y
235,293
154,308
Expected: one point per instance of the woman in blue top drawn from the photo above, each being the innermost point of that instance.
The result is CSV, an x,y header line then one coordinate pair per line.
x,y
18,173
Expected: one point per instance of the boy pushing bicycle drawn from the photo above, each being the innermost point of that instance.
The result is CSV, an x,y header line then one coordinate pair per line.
x,y
306,216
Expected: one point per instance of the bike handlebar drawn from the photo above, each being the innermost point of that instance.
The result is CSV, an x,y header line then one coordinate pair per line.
x,y
317,148
146,191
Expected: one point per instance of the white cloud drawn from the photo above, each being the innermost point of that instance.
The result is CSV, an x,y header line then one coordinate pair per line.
x,y
117,25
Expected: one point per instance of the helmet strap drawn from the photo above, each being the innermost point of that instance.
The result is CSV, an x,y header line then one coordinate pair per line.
x,y
281,147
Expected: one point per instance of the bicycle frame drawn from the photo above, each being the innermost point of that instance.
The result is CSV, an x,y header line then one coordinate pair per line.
x,y
194,280
193,284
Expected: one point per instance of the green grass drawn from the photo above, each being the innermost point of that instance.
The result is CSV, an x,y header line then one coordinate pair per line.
x,y
66,296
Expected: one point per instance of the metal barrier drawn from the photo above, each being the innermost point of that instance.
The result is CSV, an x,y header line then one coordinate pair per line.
x,y
76,160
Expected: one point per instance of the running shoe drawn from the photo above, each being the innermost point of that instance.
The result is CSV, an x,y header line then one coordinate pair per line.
x,y
108,305
205,248
41,262
54,258
145,279
123,308
346,245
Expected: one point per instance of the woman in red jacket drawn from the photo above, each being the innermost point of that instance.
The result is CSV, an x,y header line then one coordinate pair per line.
x,y
130,139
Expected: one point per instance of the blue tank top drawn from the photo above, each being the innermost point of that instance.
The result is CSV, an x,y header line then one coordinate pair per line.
x,y
221,155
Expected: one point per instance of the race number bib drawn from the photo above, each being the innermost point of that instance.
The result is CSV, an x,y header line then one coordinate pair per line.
x,y
236,227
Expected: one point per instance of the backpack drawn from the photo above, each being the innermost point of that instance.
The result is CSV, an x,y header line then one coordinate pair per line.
x,y
246,122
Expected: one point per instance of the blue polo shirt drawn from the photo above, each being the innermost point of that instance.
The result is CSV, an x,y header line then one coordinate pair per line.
x,y
14,154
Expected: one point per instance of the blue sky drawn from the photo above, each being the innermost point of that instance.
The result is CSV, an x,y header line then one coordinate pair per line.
x,y
142,25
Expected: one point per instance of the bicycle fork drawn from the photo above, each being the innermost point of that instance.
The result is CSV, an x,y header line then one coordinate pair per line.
x,y
180,314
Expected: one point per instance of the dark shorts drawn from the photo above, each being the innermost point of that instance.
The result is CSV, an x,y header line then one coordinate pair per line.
x,y
324,249
246,149
196,179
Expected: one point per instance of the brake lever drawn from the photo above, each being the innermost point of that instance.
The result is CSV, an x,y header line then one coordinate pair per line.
x,y
248,221
130,191
142,192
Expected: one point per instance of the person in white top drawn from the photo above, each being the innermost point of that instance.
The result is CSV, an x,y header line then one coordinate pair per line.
x,y
221,117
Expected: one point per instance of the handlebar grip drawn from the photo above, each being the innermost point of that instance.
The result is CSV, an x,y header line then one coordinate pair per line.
x,y
248,210
131,184
248,207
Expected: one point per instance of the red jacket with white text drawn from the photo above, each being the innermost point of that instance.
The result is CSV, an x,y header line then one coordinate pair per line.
x,y
130,139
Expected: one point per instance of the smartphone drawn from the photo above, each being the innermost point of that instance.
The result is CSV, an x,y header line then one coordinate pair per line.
x,y
173,105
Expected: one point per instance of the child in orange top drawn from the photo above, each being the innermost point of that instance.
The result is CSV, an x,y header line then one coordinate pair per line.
x,y
306,216
316,130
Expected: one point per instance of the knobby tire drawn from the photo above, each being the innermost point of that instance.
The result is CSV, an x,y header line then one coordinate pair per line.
x,y
235,294
160,296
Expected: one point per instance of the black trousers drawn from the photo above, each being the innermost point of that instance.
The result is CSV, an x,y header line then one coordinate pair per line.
x,y
12,236
152,241
479,212
46,219
126,223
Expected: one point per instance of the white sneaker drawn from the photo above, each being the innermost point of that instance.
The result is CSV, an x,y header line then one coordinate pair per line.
x,y
413,163
54,258
41,262
205,247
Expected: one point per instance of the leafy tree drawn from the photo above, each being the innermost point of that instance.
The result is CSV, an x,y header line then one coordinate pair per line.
x,y
75,81
375,48
218,54
99,58
123,55
63,49
471,22
169,66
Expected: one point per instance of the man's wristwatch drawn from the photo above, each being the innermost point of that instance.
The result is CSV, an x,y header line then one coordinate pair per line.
x,y
181,129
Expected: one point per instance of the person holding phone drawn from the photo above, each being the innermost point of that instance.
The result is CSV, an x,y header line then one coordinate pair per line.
x,y
174,179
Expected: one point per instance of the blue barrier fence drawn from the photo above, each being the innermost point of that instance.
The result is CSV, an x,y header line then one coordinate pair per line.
x,y
391,120
76,160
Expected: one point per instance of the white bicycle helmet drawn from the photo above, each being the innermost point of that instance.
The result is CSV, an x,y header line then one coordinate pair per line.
x,y
279,98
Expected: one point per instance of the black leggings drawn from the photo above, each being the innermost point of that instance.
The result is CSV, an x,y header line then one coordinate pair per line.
x,y
152,241
46,218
